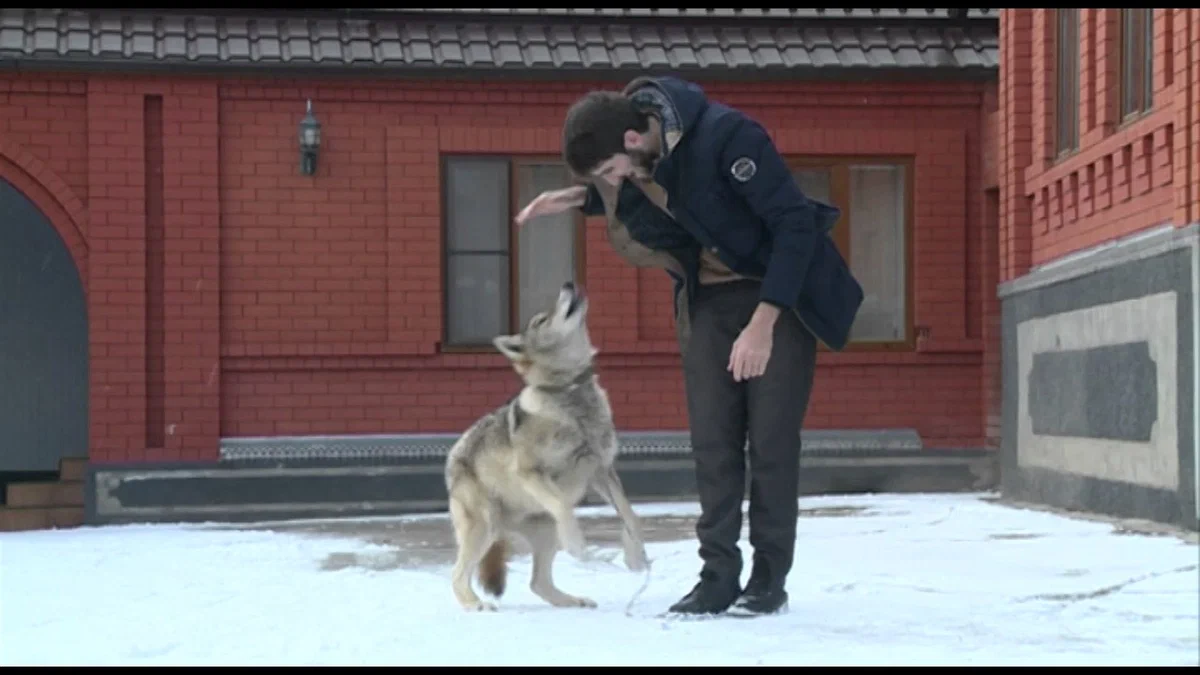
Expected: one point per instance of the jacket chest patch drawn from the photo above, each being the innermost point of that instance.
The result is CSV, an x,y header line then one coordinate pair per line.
x,y
743,169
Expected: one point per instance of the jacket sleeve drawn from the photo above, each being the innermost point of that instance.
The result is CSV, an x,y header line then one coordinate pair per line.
x,y
758,174
592,204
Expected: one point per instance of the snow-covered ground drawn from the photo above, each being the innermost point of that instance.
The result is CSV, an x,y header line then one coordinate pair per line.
x,y
912,579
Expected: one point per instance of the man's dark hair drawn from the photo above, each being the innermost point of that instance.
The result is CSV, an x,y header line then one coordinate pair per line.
x,y
595,129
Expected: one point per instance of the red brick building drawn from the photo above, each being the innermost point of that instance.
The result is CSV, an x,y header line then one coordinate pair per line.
x,y
1100,259
232,311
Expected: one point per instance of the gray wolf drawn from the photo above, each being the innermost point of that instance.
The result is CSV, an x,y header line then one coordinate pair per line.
x,y
698,188
523,468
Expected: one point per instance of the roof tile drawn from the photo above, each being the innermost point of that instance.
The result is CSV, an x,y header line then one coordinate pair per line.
x,y
77,42
683,57
559,34
472,41
45,40
568,55
77,21
111,44
12,40
882,58
143,45
237,48
418,52
538,55
449,52
205,25
270,49
392,51
654,56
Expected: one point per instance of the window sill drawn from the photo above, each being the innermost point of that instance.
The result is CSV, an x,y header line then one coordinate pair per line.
x,y
1065,156
1133,118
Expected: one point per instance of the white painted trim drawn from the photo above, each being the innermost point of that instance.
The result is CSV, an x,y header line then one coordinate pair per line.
x,y
1137,246
1158,231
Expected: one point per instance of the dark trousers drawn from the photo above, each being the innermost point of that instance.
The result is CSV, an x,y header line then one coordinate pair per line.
x,y
768,409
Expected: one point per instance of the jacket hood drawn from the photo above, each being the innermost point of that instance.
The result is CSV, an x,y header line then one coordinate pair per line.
x,y
681,102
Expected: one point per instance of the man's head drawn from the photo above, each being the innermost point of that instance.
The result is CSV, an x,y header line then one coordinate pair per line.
x,y
607,136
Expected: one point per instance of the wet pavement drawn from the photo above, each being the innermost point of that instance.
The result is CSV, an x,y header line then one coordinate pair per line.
x,y
424,541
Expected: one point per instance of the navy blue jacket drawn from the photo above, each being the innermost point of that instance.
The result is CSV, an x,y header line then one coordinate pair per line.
x,y
731,191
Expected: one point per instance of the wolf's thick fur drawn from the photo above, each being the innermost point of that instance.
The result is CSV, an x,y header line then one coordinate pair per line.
x,y
523,468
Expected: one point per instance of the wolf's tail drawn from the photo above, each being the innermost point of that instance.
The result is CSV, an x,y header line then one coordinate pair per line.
x,y
493,569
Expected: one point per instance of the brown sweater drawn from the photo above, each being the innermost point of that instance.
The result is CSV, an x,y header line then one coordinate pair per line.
x,y
712,270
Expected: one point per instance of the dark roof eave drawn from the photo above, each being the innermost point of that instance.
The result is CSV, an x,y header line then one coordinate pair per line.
x,y
219,68
990,18
273,41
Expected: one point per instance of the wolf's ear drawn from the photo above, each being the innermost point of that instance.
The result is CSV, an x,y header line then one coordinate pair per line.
x,y
512,346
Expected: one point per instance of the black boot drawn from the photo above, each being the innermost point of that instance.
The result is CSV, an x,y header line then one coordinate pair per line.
x,y
764,593
712,595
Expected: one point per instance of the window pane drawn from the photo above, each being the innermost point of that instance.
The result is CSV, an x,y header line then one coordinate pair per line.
x,y
477,204
1128,61
814,183
1137,55
877,251
477,288
1148,59
1067,98
546,257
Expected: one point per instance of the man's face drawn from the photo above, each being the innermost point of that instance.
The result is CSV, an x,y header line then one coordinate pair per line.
x,y
637,161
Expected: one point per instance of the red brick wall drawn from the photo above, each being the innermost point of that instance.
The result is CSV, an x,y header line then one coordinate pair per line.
x,y
312,305
1126,176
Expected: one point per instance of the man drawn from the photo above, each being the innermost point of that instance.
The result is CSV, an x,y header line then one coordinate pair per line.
x,y
698,188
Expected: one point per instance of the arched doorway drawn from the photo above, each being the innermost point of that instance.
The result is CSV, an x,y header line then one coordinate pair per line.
x,y
43,342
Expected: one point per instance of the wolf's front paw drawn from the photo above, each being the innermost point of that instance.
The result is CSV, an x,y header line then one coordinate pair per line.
x,y
479,606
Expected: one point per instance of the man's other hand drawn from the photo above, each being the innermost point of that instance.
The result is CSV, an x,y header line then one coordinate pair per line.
x,y
752,350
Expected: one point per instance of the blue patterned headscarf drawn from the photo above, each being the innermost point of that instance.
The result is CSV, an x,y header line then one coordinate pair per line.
x,y
652,98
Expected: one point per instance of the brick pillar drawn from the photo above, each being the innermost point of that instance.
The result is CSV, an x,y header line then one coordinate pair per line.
x,y
1193,102
1186,143
116,271
191,290
154,270
1016,97
992,328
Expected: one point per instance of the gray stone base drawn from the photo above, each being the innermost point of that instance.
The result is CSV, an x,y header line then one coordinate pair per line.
x,y
1111,498
279,479
1100,380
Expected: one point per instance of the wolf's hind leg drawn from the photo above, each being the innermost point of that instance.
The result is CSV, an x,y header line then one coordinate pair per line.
x,y
542,535
473,537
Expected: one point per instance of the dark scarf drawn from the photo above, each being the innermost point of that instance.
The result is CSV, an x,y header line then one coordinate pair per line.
x,y
653,99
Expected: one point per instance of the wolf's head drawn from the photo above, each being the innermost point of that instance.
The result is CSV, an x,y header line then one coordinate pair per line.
x,y
554,348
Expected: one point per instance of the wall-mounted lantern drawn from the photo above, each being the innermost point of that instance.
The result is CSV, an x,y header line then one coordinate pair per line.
x,y
310,142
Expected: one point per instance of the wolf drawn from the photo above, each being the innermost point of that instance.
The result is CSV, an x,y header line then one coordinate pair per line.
x,y
523,468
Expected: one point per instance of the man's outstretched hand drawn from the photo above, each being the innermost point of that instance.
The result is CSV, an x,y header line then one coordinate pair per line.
x,y
552,202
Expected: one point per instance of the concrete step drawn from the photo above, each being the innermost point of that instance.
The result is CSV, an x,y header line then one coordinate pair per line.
x,y
273,489
44,494
22,519
72,468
